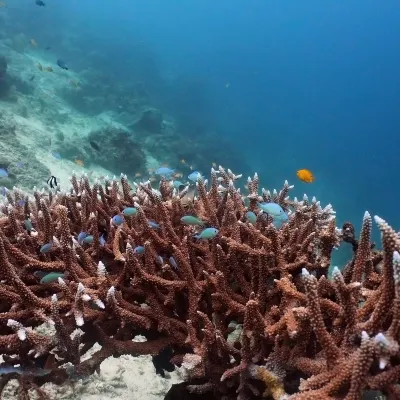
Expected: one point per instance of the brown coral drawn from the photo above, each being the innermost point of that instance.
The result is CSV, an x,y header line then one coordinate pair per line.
x,y
270,283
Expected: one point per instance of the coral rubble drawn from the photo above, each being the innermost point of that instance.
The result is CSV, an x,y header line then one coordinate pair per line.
x,y
250,313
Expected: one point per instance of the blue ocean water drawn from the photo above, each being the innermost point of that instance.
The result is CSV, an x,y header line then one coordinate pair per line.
x,y
288,84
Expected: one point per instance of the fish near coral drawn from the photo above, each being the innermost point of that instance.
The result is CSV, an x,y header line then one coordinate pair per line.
x,y
138,250
191,220
117,220
251,217
129,211
208,233
153,224
173,262
46,247
80,163
164,171
88,239
305,175
194,176
81,236
273,209
52,277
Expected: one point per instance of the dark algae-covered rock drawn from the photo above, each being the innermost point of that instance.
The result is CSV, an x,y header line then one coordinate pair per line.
x,y
118,151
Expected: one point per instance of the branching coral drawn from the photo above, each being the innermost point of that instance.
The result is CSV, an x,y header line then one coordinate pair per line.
x,y
246,313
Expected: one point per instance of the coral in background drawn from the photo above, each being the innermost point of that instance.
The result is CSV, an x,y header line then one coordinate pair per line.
x,y
245,314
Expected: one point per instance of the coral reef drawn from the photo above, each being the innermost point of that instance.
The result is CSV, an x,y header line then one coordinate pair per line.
x,y
247,313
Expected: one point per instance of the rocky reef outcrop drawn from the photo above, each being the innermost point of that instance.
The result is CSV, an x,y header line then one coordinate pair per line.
x,y
115,149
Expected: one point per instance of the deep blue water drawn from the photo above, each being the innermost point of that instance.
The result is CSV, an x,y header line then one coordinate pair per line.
x,y
312,84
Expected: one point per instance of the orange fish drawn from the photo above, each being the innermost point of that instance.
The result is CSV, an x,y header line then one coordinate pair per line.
x,y
305,175
80,163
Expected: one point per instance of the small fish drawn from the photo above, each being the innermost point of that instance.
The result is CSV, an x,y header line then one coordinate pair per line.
x,y
40,3
214,165
52,182
52,277
48,69
191,220
138,175
46,247
305,175
80,163
39,67
28,225
173,262
208,233
33,42
138,250
47,48
10,369
56,155
20,164
129,211
3,190
183,161
251,217
227,85
159,260
62,64
21,203
117,220
178,184
94,145
164,171
273,209
3,173
153,224
102,240
81,236
88,239
194,176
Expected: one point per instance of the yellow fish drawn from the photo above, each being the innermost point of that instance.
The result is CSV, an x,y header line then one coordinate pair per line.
x,y
80,163
138,174
33,42
183,161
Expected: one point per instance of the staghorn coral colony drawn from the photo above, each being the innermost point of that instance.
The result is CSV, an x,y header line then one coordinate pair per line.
x,y
249,313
